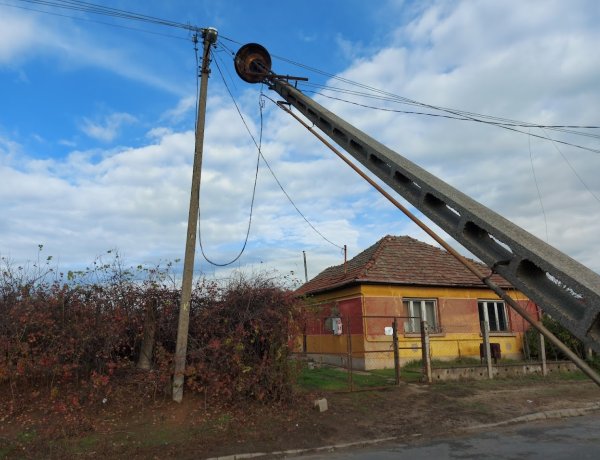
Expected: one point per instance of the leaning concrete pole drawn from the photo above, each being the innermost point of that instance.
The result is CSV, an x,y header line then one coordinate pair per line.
x,y
210,37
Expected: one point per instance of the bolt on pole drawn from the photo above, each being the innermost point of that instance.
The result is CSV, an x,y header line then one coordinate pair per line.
x,y
210,37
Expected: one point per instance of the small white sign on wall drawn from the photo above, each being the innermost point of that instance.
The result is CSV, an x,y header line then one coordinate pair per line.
x,y
388,330
336,324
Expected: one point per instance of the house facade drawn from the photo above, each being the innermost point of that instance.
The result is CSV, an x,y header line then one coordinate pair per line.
x,y
351,307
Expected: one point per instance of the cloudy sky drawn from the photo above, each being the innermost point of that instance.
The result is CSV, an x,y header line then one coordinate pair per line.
x,y
97,116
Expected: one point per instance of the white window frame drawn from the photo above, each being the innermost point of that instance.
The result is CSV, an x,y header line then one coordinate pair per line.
x,y
417,309
498,309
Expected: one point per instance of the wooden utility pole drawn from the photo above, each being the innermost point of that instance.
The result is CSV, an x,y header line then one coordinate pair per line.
x,y
425,349
305,267
487,349
210,37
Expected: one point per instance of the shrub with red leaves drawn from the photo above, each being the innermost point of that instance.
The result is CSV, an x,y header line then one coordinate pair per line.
x,y
240,344
84,333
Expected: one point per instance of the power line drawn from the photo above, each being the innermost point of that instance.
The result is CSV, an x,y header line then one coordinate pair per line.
x,y
508,126
80,18
261,156
505,123
87,7
572,168
374,93
562,128
224,264
296,207
537,186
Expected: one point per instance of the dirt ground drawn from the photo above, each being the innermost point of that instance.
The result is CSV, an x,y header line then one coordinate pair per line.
x,y
129,427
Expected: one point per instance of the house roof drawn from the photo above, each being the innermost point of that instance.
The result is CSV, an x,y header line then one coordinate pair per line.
x,y
400,260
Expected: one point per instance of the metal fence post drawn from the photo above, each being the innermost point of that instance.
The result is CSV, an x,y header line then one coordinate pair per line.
x,y
349,349
396,351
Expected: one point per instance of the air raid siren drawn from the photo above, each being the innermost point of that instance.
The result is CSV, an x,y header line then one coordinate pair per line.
x,y
252,63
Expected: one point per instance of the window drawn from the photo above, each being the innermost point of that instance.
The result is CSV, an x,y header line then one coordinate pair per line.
x,y
495,313
414,308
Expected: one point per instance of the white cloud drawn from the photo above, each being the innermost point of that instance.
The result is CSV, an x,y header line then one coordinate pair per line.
x,y
183,108
25,35
536,63
108,129
529,66
17,34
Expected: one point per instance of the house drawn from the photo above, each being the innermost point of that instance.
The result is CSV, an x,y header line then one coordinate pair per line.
x,y
350,307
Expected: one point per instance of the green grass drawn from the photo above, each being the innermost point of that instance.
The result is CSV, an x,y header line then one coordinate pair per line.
x,y
8,447
336,379
328,378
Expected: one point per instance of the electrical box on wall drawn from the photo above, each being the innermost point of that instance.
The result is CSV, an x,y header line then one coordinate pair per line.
x,y
336,326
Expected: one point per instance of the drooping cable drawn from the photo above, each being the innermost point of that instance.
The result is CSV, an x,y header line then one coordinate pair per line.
x,y
225,264
537,187
554,143
265,161
258,145
296,207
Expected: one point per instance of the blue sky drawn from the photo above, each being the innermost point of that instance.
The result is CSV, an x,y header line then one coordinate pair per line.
x,y
96,126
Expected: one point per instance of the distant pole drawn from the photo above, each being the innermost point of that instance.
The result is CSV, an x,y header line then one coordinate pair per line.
x,y
305,267
210,37
345,257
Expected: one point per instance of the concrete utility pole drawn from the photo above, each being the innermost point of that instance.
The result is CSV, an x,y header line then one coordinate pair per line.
x,y
210,38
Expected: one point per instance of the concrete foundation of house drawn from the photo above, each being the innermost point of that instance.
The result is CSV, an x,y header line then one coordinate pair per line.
x,y
446,373
500,370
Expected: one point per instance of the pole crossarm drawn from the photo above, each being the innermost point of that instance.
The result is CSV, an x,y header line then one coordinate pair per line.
x,y
564,288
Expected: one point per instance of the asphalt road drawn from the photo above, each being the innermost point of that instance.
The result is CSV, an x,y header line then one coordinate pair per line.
x,y
575,438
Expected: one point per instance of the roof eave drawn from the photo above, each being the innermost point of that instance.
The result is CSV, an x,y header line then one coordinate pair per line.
x,y
346,283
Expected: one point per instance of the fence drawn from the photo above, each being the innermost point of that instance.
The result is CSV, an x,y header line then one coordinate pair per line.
x,y
335,351
369,351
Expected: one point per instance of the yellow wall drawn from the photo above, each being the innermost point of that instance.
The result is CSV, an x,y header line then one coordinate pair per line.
x,y
459,319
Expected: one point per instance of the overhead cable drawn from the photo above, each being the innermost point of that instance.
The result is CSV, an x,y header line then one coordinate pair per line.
x,y
508,126
224,264
87,7
537,187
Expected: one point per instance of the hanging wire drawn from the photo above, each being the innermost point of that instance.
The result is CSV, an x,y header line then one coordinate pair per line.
x,y
259,148
554,143
537,187
229,74
294,204
225,264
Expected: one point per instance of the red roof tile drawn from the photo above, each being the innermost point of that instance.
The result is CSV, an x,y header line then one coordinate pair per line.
x,y
399,260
